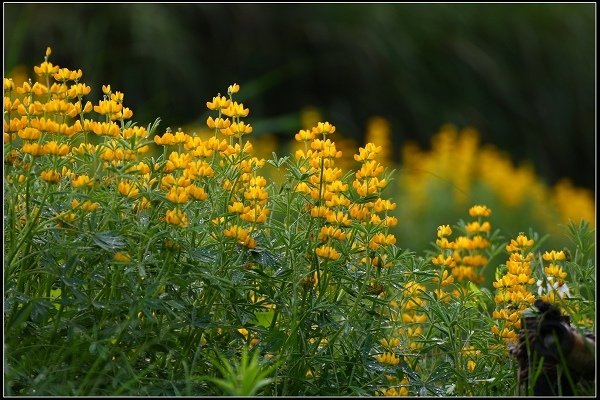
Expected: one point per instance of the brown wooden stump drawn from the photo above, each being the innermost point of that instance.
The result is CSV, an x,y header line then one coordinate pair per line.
x,y
554,358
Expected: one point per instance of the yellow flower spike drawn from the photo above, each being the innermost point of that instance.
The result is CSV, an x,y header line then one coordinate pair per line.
x,y
48,51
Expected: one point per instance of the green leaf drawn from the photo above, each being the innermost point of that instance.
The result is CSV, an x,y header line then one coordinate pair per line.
x,y
205,254
109,241
264,318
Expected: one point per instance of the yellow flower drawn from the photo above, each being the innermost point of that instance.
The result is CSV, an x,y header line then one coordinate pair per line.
x,y
475,227
555,271
29,133
218,123
444,231
50,176
235,110
338,218
388,358
304,135
327,252
178,195
242,235
381,239
55,148
82,180
168,139
441,260
197,192
520,244
257,214
471,365
78,90
554,255
108,107
237,129
369,152
256,193
142,204
45,68
176,217
388,344
35,149
122,257
218,103
232,89
127,189
480,210
64,74
244,332
9,84
323,128
331,232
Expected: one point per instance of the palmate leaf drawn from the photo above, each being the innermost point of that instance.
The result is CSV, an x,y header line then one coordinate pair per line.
x,y
244,377
207,254
109,241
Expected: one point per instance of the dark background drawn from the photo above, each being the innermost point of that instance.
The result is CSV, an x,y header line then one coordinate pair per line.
x,y
522,74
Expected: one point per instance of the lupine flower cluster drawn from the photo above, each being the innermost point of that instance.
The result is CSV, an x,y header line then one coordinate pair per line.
x,y
193,247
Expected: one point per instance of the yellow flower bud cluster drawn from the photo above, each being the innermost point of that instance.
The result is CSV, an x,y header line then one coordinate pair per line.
x,y
513,289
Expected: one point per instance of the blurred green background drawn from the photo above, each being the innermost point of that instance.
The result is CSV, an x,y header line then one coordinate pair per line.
x,y
521,74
